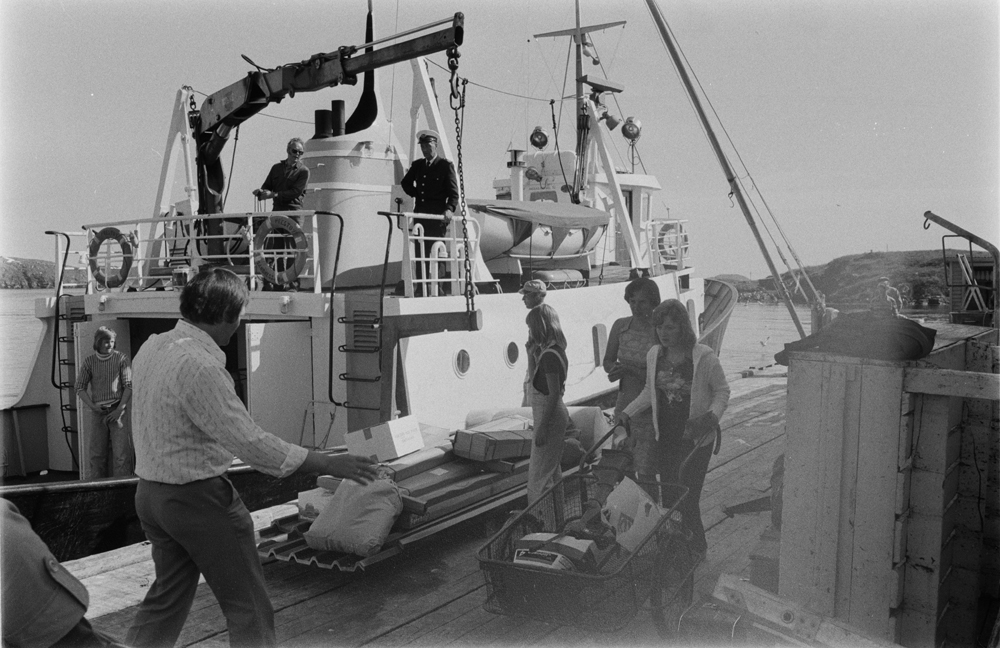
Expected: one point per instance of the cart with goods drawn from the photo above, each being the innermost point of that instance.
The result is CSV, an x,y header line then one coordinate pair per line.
x,y
593,550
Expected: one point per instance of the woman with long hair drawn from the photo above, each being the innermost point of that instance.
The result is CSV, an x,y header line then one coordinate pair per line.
x,y
629,343
548,344
688,393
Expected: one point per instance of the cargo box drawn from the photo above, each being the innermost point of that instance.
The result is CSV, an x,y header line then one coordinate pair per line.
x,y
505,438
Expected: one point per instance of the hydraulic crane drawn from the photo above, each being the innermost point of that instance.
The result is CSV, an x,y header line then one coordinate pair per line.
x,y
208,127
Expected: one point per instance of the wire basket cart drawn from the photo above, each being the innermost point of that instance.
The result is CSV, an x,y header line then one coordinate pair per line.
x,y
660,569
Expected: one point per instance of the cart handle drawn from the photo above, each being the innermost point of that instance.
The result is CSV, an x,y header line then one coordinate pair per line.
x,y
589,455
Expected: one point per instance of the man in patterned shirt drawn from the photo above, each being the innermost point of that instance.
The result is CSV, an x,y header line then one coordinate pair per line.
x,y
188,423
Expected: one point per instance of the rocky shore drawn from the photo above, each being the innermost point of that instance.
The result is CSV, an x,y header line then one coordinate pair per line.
x,y
847,281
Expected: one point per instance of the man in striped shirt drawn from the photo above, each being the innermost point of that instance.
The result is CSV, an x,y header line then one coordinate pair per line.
x,y
188,423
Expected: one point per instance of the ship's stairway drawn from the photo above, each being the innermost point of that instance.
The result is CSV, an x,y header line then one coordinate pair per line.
x,y
69,310
362,353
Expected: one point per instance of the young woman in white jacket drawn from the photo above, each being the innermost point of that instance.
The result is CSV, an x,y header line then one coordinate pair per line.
x,y
688,393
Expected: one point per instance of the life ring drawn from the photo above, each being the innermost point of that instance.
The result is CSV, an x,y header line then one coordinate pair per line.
x,y
289,226
118,278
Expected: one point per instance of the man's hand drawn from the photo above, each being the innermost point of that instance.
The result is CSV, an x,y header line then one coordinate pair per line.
x,y
347,466
263,194
448,215
616,372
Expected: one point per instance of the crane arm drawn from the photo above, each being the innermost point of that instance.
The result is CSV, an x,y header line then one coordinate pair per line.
x,y
224,110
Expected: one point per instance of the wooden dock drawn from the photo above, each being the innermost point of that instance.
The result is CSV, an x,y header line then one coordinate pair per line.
x,y
432,594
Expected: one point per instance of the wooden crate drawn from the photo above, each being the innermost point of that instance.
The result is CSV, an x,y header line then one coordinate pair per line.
x,y
877,495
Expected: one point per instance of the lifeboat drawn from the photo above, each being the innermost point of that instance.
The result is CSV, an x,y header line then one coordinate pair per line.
x,y
537,230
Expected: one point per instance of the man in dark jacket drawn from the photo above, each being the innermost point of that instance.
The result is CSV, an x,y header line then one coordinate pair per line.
x,y
286,185
286,181
434,186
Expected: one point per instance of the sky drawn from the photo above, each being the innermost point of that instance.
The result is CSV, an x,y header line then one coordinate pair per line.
x,y
852,117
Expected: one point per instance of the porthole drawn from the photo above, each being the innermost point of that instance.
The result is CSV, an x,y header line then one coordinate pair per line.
x,y
513,353
462,362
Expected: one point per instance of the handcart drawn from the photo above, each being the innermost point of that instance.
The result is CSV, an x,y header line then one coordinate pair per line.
x,y
606,595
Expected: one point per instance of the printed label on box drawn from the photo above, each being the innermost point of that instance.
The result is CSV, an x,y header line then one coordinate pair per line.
x,y
387,441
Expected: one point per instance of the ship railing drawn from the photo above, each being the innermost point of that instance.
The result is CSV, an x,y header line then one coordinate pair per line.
x,y
266,248
668,242
434,265
71,262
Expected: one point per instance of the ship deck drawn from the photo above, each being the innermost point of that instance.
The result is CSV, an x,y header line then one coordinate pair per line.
x,y
432,594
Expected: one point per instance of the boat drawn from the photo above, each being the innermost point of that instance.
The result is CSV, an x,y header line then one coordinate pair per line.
x,y
364,338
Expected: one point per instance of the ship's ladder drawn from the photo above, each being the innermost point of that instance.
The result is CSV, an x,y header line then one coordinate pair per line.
x,y
364,335
69,310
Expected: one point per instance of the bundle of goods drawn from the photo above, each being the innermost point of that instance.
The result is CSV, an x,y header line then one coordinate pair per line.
x,y
567,559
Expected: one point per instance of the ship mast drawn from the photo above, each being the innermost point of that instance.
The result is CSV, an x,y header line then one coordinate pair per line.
x,y
579,35
661,25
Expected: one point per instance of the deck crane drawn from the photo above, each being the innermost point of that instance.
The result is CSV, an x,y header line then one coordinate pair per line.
x,y
207,128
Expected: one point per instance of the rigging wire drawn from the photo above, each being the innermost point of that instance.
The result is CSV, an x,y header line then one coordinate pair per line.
x,y
748,175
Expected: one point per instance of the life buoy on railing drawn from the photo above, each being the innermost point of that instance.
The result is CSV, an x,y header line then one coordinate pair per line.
x,y
291,272
118,278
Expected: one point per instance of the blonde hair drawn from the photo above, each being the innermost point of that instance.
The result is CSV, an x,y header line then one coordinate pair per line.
x,y
103,333
544,328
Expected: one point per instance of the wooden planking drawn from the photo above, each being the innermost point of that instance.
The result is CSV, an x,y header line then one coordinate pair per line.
x,y
811,501
948,382
850,491
872,578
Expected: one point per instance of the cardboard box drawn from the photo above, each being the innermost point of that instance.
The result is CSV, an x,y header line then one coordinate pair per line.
x,y
504,438
490,446
543,559
582,552
632,512
387,441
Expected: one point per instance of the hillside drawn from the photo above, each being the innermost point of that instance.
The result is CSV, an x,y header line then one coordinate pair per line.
x,y
29,273
848,280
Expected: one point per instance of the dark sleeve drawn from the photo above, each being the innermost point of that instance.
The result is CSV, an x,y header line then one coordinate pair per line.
x,y
452,187
407,181
296,189
270,179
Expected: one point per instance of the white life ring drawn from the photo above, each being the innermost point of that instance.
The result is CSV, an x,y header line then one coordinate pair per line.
x,y
118,278
289,226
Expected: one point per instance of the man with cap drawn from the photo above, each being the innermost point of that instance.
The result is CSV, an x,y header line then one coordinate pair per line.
x,y
433,184
532,293
885,300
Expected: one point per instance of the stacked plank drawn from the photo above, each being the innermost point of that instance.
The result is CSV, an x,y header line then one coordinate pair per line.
x,y
438,488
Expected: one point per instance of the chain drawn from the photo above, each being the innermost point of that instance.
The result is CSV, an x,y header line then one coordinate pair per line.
x,y
457,102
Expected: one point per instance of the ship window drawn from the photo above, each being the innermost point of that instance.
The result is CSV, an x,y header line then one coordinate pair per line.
x,y
462,362
513,352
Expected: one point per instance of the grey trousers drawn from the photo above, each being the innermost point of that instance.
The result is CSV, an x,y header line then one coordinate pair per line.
x,y
197,528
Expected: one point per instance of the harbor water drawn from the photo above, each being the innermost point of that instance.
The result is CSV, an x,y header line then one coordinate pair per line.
x,y
755,333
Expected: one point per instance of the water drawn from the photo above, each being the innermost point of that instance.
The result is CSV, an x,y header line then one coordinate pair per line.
x,y
755,333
